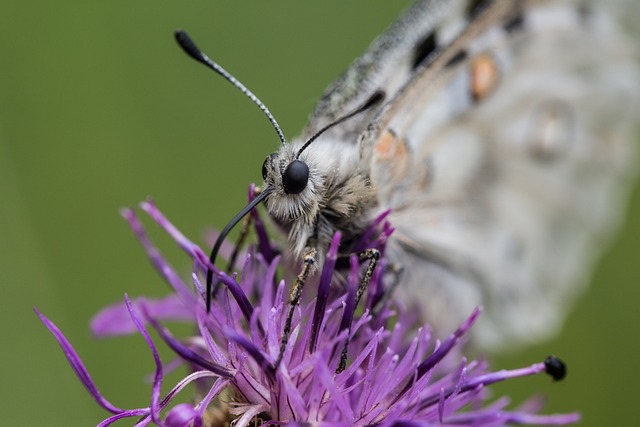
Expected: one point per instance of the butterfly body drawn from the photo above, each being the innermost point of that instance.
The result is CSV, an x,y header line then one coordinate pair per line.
x,y
503,147
338,196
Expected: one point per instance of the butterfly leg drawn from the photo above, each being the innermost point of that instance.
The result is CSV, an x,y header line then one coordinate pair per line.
x,y
310,258
371,255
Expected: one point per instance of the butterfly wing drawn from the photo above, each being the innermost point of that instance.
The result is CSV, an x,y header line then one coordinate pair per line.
x,y
505,152
388,64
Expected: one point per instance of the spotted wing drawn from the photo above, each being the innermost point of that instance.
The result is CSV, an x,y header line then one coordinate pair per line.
x,y
389,63
504,148
506,159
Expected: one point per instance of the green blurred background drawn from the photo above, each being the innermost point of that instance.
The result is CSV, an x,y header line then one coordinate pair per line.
x,y
100,109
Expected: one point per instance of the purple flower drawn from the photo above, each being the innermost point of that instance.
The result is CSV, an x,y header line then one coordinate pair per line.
x,y
395,374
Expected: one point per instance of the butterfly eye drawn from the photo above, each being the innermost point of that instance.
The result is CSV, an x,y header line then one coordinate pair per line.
x,y
270,158
295,177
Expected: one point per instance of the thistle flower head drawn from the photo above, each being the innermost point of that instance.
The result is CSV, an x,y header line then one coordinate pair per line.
x,y
395,375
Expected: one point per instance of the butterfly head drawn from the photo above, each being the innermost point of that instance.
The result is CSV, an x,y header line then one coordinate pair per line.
x,y
296,185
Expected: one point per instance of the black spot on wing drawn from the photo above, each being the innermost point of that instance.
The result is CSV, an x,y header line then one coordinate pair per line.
x,y
514,23
475,7
585,11
457,58
515,20
425,47
376,97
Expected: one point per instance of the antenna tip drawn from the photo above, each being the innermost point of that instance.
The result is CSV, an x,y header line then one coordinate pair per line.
x,y
555,367
188,45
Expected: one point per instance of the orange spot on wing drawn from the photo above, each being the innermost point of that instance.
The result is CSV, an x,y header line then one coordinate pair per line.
x,y
389,146
484,76
385,144
391,157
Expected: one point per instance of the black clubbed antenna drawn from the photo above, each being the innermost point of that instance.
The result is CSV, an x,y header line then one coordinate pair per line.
x,y
192,50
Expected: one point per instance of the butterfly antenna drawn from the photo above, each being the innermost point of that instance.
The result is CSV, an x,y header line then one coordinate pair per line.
x,y
192,50
373,100
223,234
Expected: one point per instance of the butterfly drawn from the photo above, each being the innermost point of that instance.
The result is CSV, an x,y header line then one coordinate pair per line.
x,y
499,134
